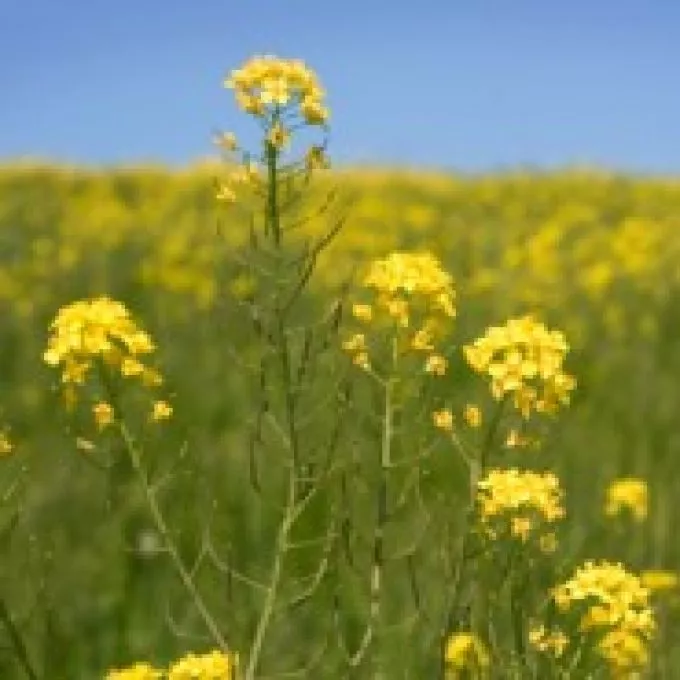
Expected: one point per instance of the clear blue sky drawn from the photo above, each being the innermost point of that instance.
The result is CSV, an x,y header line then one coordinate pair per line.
x,y
465,84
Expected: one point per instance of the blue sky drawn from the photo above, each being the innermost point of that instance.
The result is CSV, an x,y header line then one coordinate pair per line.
x,y
472,85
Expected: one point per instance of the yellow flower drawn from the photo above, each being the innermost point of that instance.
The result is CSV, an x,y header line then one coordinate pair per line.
x,y
264,85
5,444
408,290
212,666
553,642
473,415
161,411
103,414
627,494
226,194
465,651
140,671
436,365
524,358
362,312
525,502
278,136
95,329
617,611
443,419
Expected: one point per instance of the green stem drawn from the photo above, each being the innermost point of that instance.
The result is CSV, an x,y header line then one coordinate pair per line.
x,y
273,222
17,642
166,536
274,581
476,473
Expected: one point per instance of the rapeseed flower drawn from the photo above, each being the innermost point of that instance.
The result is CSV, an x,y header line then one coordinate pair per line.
x,y
521,503
613,606
552,642
410,300
211,666
524,359
627,495
99,329
443,419
465,651
265,85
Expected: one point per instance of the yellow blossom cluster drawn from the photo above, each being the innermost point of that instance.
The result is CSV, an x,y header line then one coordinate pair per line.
x,y
525,359
412,296
99,334
266,85
627,495
466,652
522,502
213,665
614,606
552,642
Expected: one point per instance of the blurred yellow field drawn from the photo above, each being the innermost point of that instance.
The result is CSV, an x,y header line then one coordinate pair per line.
x,y
269,419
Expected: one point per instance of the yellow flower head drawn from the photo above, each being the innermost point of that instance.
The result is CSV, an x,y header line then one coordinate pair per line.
x,y
103,414
211,666
161,411
265,85
525,359
465,651
88,330
627,495
443,420
412,297
613,607
472,415
552,642
526,503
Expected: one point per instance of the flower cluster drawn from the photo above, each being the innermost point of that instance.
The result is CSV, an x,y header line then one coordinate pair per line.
x,y
99,335
214,665
522,502
266,85
411,296
553,642
614,606
525,359
627,495
466,652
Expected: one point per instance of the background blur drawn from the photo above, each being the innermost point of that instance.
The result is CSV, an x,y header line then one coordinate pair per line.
x,y
470,88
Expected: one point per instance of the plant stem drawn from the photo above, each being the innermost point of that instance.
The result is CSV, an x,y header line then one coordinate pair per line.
x,y
274,580
164,531
17,642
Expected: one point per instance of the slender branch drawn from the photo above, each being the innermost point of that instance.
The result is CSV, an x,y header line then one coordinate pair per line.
x,y
162,528
274,581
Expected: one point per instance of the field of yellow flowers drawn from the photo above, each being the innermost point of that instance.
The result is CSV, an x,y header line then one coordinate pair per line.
x,y
261,418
